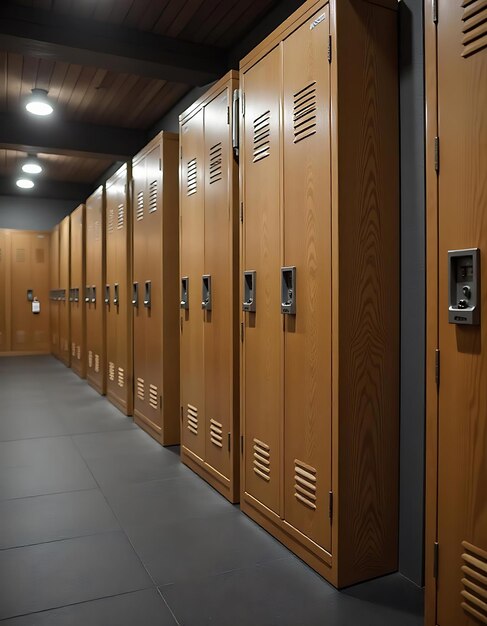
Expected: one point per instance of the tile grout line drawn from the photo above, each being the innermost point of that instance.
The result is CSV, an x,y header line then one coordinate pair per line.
x,y
154,584
91,432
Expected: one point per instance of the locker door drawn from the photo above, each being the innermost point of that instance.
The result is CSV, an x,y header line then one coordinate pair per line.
x,y
4,292
154,348
307,247
77,293
139,264
192,207
54,285
218,265
261,376
64,284
111,278
462,419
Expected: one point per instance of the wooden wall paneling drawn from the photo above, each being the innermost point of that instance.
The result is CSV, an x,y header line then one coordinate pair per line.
x,y
94,294
4,290
54,292
29,271
64,286
77,294
261,252
192,207
118,275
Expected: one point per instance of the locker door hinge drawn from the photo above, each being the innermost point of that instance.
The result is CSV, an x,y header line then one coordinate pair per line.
x,y
330,505
435,11
329,48
241,212
229,442
242,331
437,154
436,550
228,115
241,443
437,367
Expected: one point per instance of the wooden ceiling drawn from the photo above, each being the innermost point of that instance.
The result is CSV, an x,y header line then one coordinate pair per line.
x,y
113,68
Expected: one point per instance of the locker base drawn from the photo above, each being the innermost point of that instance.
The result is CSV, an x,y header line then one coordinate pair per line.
x,y
96,385
159,435
222,484
78,371
121,406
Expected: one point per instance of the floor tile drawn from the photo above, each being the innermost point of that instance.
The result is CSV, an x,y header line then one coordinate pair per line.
x,y
51,575
26,521
33,467
143,608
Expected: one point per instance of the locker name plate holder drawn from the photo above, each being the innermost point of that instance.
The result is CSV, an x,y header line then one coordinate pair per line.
x,y
464,286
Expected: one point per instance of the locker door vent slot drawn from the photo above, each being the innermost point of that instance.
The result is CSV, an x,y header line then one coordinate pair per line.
x,y
120,216
111,371
110,220
192,419
121,377
78,353
216,433
140,389
192,177
262,136
20,255
73,349
215,163
474,26
474,581
39,255
90,359
304,112
262,460
140,206
97,363
305,484
153,397
153,196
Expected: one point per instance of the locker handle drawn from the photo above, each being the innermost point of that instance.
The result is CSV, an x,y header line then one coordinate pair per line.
x,y
93,294
107,294
76,294
148,294
87,293
184,303
115,294
249,291
206,292
288,290
71,297
235,128
135,294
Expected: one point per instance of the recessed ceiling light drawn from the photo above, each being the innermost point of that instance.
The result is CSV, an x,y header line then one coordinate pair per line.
x,y
38,103
25,183
32,166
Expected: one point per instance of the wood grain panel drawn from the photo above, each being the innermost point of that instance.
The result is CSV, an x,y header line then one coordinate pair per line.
x,y
77,291
64,285
54,286
95,284
307,246
261,252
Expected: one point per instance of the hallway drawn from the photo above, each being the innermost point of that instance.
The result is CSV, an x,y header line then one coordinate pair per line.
x,y
100,526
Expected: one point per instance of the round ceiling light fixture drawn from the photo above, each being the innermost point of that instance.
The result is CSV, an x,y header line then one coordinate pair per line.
x,y
25,183
38,103
32,166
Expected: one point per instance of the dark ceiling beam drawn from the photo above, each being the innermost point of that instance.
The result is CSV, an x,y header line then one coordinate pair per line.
x,y
55,136
49,189
41,33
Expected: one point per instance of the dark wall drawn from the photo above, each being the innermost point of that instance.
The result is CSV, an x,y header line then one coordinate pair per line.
x,y
413,306
25,213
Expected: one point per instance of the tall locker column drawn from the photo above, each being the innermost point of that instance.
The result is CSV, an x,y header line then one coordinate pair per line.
x,y
54,294
77,291
64,287
4,291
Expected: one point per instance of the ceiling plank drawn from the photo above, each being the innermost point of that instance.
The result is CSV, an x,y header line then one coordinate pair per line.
x,y
52,189
45,34
20,132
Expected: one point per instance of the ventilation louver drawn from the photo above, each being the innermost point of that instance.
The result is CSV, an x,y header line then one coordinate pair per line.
x,y
262,136
474,26
262,459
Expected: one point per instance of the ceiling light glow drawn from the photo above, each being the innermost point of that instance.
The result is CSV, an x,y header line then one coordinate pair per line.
x,y
38,103
25,183
32,166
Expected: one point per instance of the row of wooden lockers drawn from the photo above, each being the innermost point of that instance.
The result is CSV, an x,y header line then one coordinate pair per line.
x,y
271,354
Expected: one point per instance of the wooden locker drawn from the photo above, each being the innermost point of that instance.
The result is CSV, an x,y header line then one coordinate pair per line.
x,y
29,280
320,231
95,284
64,286
54,294
209,248
117,292
4,291
456,166
77,291
155,289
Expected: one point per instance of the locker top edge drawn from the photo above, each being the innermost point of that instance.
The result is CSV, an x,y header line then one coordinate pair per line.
x,y
232,75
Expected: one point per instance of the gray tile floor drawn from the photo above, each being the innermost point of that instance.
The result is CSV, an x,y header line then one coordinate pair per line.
x,y
100,526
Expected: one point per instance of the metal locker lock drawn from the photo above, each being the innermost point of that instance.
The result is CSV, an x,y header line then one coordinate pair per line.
x,y
87,293
288,290
30,295
184,303
135,294
115,294
249,291
148,294
206,292
93,294
464,286
76,294
107,294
